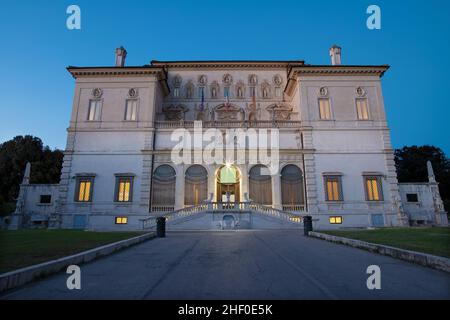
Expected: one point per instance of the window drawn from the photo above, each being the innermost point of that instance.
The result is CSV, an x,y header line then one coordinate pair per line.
x,y
84,189
121,220
45,198
362,109
131,110
95,107
333,190
373,189
124,189
412,197
336,220
324,109
176,92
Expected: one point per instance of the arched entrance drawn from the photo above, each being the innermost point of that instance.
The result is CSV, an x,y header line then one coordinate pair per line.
x,y
195,185
260,185
228,184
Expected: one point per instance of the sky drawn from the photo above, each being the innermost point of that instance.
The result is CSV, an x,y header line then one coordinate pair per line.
x,y
37,91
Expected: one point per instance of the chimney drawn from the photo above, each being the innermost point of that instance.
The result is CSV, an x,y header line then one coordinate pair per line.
x,y
335,54
121,54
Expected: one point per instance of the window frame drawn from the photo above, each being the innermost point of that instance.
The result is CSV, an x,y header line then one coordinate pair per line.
x,y
331,177
379,183
367,109
41,196
335,219
120,178
120,220
329,109
100,108
84,178
414,194
136,101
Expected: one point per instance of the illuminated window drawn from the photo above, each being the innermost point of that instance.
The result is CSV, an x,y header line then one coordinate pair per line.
x,y
362,109
333,190
121,220
373,188
336,220
124,189
84,189
95,107
324,109
131,110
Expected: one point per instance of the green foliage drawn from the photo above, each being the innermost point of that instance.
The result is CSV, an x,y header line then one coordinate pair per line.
x,y
411,163
14,154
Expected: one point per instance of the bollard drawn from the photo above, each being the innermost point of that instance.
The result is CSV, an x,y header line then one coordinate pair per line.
x,y
161,227
307,224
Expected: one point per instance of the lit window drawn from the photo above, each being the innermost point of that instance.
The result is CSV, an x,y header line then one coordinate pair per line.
x,y
95,107
336,220
131,110
333,190
121,220
362,109
124,187
84,189
324,109
373,189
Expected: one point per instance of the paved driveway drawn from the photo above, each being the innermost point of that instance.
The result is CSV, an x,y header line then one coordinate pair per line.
x,y
242,265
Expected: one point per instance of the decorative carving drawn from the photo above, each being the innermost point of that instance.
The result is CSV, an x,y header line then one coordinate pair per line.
x,y
189,90
360,92
265,90
97,93
177,81
202,79
323,92
280,111
214,90
228,111
201,113
277,80
174,112
227,79
240,90
133,93
253,79
252,112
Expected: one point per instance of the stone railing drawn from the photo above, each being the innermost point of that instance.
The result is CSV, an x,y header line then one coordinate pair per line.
x,y
294,207
229,124
150,222
275,213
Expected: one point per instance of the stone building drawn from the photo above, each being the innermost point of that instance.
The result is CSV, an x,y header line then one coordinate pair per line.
x,y
307,140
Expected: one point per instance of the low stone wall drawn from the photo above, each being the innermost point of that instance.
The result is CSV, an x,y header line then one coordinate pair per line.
x,y
22,276
424,259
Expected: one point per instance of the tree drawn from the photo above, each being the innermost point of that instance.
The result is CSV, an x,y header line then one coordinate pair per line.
x,y
411,163
14,154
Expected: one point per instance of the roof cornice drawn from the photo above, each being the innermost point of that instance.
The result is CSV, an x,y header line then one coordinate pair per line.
x,y
339,70
222,64
77,72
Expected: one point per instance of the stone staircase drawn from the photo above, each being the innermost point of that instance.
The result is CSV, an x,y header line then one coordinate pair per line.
x,y
214,216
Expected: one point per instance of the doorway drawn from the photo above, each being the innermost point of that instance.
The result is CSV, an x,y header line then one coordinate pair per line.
x,y
228,184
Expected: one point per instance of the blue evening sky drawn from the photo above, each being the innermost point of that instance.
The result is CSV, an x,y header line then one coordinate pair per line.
x,y
36,47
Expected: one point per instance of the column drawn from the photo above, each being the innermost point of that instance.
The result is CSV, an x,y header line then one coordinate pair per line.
x,y
179,188
276,191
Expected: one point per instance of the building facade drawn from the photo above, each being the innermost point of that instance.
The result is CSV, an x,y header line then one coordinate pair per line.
x,y
333,158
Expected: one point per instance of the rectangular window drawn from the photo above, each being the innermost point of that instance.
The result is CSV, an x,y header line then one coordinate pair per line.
x,y
176,92
95,107
84,189
333,191
131,110
121,220
45,198
373,189
324,109
362,109
124,189
336,220
412,197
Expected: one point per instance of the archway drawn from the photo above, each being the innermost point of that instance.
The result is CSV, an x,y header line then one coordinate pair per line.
x,y
163,190
260,185
292,195
228,184
195,185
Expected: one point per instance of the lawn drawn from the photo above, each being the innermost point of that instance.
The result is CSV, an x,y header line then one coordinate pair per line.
x,y
23,248
434,241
